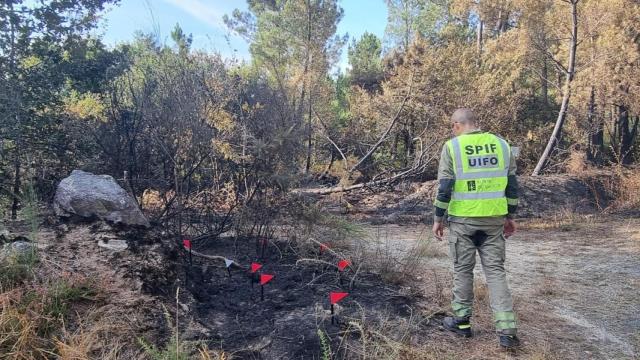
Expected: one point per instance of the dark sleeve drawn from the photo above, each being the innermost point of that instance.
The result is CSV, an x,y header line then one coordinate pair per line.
x,y
511,192
443,198
445,186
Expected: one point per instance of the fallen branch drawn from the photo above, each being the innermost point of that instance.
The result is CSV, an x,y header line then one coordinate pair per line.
x,y
217,257
336,189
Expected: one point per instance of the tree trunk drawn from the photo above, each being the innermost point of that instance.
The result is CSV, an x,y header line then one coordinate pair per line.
x,y
544,82
394,146
499,23
626,135
16,96
564,107
306,82
479,42
16,186
596,138
309,143
333,158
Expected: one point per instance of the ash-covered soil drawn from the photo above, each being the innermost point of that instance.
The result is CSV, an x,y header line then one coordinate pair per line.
x,y
232,316
142,275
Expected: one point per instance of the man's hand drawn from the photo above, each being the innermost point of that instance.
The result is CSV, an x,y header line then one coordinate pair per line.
x,y
438,230
509,227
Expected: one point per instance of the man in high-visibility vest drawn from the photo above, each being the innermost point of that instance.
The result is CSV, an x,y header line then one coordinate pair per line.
x,y
479,189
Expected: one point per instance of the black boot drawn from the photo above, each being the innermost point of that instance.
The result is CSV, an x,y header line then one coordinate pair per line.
x,y
460,326
509,341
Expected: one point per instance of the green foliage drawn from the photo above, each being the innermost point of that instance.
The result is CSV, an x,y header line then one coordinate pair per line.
x,y
409,19
325,345
182,40
44,53
340,104
365,60
170,352
63,293
174,349
17,268
30,211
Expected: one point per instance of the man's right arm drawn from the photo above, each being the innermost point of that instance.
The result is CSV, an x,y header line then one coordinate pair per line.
x,y
446,179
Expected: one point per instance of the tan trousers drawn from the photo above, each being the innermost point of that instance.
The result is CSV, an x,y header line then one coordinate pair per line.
x,y
489,242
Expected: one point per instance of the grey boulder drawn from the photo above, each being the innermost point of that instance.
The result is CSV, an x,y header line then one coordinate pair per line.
x,y
88,196
16,250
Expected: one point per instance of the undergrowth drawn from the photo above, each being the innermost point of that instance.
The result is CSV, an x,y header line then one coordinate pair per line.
x,y
17,267
33,315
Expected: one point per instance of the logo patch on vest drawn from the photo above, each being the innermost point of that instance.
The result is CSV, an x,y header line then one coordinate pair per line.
x,y
471,185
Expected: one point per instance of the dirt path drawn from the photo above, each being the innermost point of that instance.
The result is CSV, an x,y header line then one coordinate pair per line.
x,y
575,284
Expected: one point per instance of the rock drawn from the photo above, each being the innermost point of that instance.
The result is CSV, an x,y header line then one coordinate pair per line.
x,y
88,196
16,249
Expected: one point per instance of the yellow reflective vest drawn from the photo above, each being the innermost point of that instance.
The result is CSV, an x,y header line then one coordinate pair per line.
x,y
481,167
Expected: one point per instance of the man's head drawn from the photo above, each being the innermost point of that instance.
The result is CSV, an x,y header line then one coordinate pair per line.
x,y
463,120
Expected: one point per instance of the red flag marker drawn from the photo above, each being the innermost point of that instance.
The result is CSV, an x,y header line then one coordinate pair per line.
x,y
342,264
335,297
255,267
187,245
265,278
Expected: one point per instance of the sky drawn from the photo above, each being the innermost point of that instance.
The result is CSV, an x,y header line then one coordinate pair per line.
x,y
203,19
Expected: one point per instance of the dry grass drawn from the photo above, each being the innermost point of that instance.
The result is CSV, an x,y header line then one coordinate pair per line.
x,y
54,314
416,338
564,220
625,188
577,162
97,335
546,287
396,260
385,338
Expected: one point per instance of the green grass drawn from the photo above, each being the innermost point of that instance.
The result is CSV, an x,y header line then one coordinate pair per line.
x,y
17,268
325,345
174,349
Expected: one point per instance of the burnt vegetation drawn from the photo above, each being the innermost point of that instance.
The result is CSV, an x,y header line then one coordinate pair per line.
x,y
269,160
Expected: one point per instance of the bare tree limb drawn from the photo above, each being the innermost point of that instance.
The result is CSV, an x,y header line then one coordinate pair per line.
x,y
344,158
386,133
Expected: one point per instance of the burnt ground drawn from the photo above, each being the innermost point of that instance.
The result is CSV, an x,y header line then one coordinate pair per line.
x,y
139,286
412,202
296,302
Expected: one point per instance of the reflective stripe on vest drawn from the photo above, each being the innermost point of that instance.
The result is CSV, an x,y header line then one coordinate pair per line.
x,y
481,166
476,196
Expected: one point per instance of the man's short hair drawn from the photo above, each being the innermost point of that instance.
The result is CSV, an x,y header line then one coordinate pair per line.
x,y
464,116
